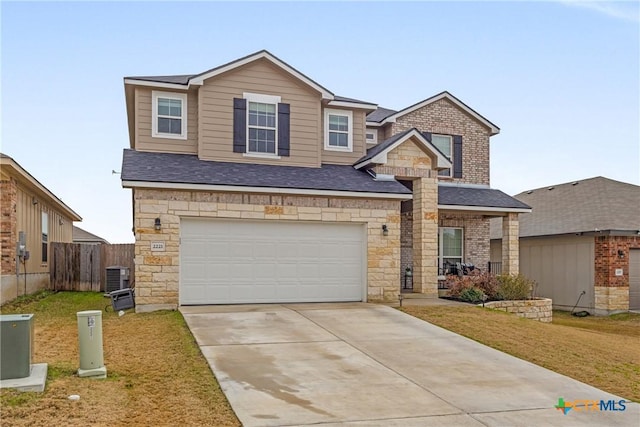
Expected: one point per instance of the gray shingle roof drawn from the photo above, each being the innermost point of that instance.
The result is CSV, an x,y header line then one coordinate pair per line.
x,y
378,148
579,207
379,114
83,236
459,195
357,101
179,79
188,169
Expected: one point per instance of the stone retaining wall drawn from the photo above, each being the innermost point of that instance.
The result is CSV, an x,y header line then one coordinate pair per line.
x,y
536,309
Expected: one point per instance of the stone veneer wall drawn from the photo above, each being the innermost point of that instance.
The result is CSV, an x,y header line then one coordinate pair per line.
x,y
611,291
157,273
444,117
536,309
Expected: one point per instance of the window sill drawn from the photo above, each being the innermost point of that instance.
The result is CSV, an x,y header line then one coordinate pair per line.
x,y
168,136
262,156
341,149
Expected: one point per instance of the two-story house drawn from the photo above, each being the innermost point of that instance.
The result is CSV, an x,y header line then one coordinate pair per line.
x,y
252,183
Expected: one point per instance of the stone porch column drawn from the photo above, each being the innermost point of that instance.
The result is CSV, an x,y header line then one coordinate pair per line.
x,y
425,236
510,244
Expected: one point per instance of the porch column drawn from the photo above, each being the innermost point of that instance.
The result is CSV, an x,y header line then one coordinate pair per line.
x,y
425,236
510,244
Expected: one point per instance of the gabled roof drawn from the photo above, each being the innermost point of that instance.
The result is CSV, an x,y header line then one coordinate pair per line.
x,y
591,206
83,236
477,198
379,115
198,79
12,167
167,170
377,118
378,153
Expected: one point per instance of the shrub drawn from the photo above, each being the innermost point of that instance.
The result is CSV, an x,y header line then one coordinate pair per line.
x,y
486,282
472,295
515,287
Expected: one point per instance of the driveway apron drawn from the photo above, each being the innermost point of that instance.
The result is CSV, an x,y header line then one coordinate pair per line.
x,y
362,364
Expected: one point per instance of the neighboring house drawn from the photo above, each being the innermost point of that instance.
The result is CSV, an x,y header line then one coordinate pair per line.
x,y
32,217
252,183
582,236
83,236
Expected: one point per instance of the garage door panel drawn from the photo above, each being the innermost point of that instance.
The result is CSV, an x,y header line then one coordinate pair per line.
x,y
236,261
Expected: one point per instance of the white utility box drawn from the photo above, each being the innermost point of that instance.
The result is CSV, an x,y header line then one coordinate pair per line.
x,y
90,342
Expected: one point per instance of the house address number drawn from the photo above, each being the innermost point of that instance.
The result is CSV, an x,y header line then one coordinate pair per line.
x,y
157,246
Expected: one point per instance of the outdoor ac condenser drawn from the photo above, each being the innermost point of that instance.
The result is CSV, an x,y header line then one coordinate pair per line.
x,y
16,345
117,278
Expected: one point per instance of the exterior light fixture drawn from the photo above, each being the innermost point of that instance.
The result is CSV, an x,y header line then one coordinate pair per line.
x,y
60,222
157,225
385,230
620,254
34,201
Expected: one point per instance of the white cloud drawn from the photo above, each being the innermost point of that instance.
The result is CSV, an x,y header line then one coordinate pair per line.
x,y
625,10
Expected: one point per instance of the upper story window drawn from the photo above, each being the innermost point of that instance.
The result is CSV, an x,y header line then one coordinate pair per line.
x,y
372,136
169,115
45,236
262,123
444,143
338,130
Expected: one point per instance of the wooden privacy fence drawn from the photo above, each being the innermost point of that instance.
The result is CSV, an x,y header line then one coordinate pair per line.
x,y
82,266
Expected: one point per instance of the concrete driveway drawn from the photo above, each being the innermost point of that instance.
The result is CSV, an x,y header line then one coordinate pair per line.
x,y
361,364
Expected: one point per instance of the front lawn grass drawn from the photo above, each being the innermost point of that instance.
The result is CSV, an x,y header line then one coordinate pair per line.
x,y
156,374
601,351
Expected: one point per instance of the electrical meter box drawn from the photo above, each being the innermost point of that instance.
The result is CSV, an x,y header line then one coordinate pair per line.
x,y
16,345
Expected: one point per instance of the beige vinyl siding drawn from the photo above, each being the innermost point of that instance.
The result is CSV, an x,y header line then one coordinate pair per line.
x,y
562,266
144,140
359,149
29,220
260,77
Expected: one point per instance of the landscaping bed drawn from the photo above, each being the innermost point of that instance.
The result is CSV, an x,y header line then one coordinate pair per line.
x,y
156,373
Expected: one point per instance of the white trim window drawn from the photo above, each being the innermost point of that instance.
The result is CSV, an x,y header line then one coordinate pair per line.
x,y
338,130
262,124
169,115
371,136
444,143
450,247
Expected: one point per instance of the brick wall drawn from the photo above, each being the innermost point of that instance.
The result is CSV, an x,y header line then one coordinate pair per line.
x,y
8,232
444,117
406,241
611,290
476,235
607,260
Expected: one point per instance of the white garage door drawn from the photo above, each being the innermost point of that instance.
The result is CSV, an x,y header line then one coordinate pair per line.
x,y
239,261
634,279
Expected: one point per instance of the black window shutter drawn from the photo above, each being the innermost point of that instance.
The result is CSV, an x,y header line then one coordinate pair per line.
x,y
239,125
457,156
427,136
283,129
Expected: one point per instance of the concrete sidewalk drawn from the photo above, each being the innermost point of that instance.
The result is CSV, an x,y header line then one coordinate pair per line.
x,y
362,364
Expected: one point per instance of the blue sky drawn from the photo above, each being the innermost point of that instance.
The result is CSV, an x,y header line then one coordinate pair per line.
x,y
561,79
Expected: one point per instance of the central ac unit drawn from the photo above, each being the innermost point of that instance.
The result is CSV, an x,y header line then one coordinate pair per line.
x,y
117,278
